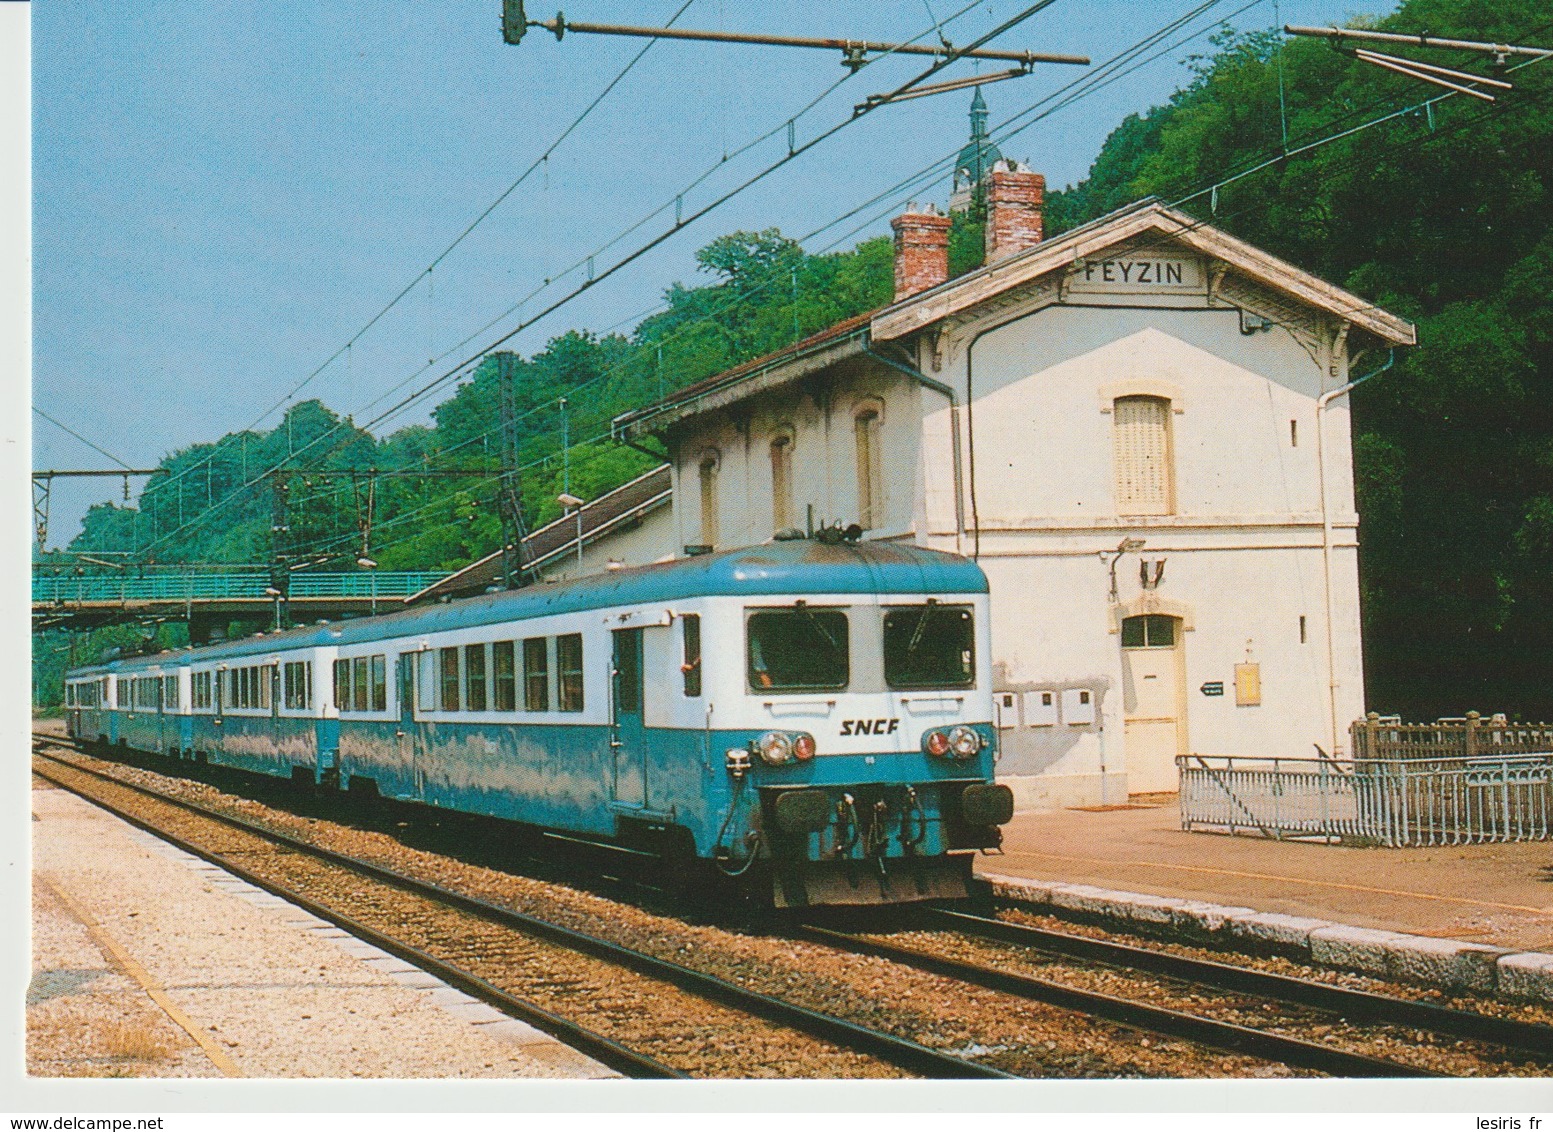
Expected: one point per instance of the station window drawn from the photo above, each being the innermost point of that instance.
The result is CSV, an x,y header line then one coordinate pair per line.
x,y
474,677
797,649
929,646
870,467
782,480
504,668
708,474
1150,631
690,668
568,665
449,671
1144,473
536,675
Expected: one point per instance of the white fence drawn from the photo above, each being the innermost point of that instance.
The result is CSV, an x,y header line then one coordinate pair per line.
x,y
1398,801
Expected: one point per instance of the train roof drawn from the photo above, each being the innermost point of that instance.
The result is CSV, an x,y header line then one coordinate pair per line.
x,y
797,566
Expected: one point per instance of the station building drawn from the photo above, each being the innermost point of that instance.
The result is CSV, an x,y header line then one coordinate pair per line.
x,y
1138,429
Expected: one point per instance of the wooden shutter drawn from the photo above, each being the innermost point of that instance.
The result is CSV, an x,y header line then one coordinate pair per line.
x,y
1143,458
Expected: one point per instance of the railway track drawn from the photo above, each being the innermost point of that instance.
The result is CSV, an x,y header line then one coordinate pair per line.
x,y
1355,1005
953,981
945,929
276,871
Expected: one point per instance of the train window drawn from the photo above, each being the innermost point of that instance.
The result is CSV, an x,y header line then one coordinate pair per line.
x,y
298,685
691,667
449,679
380,682
536,675
201,691
264,676
628,671
359,689
504,664
474,677
342,684
568,667
929,646
170,693
791,649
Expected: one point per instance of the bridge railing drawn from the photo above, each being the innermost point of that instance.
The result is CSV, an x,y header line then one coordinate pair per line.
x,y
236,585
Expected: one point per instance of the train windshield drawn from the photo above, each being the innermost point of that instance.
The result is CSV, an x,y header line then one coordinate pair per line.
x,y
929,646
797,649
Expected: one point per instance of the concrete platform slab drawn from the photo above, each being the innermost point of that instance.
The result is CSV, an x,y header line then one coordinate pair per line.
x,y
149,964
1477,917
1497,895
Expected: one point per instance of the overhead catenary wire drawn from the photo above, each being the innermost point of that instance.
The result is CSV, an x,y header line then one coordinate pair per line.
x,y
1399,147
1073,95
580,263
679,224
1332,137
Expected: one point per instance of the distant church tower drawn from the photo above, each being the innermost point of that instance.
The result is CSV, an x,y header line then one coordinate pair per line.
x,y
975,162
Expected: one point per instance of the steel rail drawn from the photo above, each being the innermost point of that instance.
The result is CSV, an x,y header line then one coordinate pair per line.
x,y
1512,1033
601,1049
1225,1036
901,1052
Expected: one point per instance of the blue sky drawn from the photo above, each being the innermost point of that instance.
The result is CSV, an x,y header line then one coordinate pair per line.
x,y
224,194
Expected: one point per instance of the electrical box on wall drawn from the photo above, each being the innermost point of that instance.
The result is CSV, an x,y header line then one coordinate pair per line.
x,y
1248,685
1078,707
1005,710
1040,709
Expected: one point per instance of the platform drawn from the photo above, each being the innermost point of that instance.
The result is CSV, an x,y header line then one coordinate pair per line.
x,y
148,962
1498,895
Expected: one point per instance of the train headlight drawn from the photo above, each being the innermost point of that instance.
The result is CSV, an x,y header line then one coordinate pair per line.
x,y
937,744
803,747
775,748
964,742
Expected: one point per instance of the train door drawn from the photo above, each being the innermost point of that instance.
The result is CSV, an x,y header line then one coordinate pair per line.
x,y
218,705
272,678
628,733
163,715
405,732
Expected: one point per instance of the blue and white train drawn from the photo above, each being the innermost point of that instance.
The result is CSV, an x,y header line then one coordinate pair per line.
x,y
815,715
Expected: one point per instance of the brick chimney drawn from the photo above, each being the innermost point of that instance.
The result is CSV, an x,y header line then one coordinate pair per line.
x,y
921,250
1015,198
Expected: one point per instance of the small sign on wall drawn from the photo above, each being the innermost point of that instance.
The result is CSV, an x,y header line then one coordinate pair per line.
x,y
1248,685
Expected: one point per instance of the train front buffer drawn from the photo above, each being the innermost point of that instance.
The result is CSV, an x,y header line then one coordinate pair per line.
x,y
862,828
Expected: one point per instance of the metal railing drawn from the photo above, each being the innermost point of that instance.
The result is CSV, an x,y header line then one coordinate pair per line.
x,y
238,585
1375,737
1453,800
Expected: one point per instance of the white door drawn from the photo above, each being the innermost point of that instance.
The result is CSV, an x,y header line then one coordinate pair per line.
x,y
1152,704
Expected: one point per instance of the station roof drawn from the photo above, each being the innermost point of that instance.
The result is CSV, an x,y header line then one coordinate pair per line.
x,y
1150,221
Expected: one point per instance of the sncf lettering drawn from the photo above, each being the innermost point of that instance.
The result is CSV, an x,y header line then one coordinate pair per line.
x,y
870,726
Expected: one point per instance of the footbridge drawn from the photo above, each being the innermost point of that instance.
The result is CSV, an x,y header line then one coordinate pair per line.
x,y
210,597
